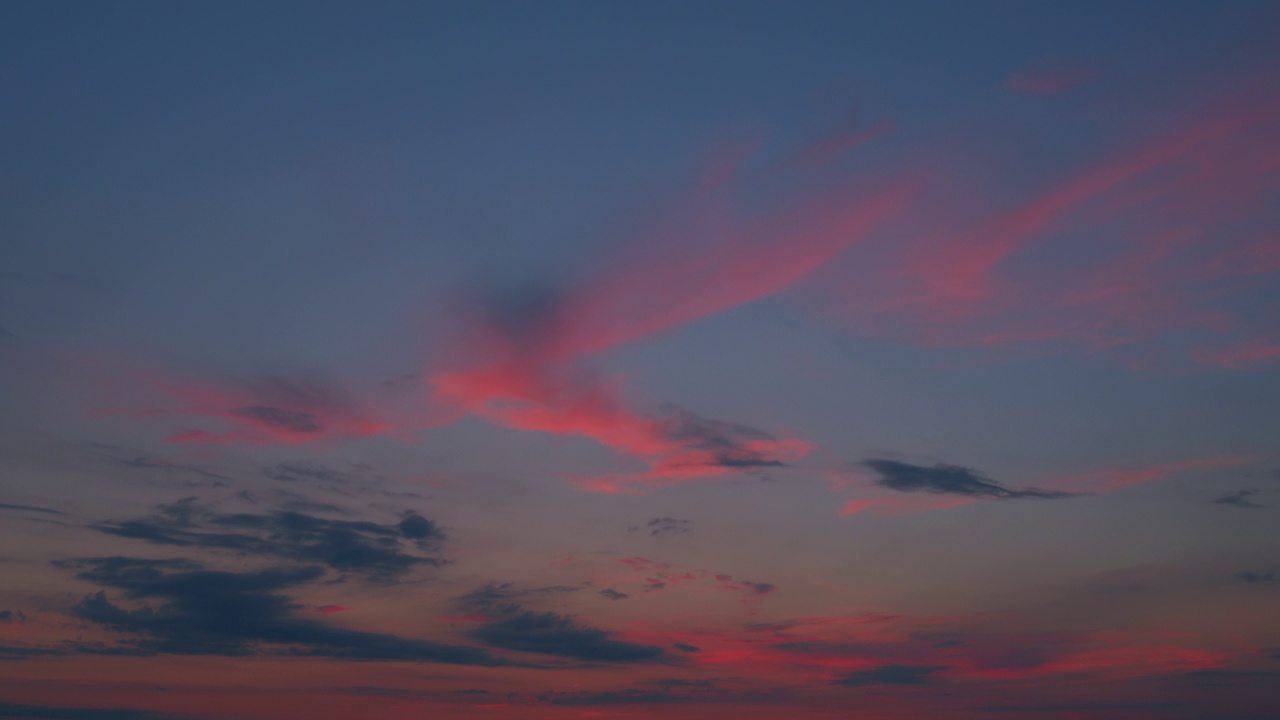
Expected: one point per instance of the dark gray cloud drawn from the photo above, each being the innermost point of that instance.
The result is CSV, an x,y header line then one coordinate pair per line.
x,y
375,550
291,420
730,444
12,617
612,594
31,508
1241,500
189,610
1254,578
513,627
548,633
948,480
687,648
29,712
891,675
664,526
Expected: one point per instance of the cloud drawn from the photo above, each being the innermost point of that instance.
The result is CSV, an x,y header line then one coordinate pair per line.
x,y
948,480
268,410
653,575
507,624
31,508
552,634
46,712
612,594
375,550
664,526
1255,578
891,675
521,358
204,612
1175,227
1240,499
12,617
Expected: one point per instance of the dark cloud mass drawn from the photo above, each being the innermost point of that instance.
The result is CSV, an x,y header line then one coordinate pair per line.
x,y
378,551
1255,578
29,712
551,634
1241,500
512,627
195,611
948,480
891,675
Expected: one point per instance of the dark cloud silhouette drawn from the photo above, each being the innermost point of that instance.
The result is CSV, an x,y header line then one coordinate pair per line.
x,y
552,634
891,675
664,526
12,617
948,480
500,598
46,712
614,594
513,627
687,648
378,551
194,611
30,508
731,445
1240,500
1254,578
291,420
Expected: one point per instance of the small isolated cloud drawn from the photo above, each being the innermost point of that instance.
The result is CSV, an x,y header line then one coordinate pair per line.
x,y
614,594
1254,578
1241,500
664,526
891,675
944,479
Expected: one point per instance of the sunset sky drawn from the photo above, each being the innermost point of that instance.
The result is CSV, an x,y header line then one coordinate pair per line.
x,y
680,360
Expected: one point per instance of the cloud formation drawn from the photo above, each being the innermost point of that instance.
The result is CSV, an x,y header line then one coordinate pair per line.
x,y
374,550
189,610
508,625
1241,500
948,480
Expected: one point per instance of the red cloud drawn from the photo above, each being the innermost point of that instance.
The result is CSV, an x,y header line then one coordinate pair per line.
x,y
527,372
1139,241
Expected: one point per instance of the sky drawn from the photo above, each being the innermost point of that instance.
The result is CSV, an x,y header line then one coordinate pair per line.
x,y
679,360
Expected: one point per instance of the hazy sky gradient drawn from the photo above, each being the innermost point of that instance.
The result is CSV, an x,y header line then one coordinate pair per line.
x,y
681,360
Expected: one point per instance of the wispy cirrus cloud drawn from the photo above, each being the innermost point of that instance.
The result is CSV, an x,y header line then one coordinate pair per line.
x,y
522,360
1164,223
